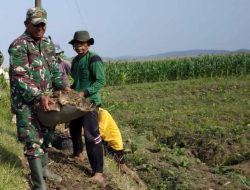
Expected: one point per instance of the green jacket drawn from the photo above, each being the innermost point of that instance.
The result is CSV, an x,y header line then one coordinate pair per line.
x,y
88,76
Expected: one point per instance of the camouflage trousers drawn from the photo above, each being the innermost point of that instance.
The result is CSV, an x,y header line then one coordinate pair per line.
x,y
31,133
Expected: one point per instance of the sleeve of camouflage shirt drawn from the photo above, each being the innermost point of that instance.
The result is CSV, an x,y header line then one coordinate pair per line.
x,y
20,72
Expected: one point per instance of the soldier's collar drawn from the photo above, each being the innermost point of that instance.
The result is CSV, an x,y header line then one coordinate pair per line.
x,y
31,39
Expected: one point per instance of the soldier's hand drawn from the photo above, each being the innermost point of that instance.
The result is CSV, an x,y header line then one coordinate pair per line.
x,y
66,89
45,102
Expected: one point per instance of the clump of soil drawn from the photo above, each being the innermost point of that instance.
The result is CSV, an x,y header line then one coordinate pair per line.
x,y
72,98
66,106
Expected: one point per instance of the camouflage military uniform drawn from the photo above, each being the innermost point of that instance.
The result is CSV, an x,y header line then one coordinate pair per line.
x,y
1,58
33,71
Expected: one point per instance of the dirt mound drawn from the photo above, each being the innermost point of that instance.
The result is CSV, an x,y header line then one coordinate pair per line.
x,y
208,149
76,174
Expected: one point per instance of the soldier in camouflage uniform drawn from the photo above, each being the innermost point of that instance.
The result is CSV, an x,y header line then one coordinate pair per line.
x,y
33,73
1,58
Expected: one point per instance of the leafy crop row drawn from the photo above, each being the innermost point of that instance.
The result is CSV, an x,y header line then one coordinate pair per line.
x,y
119,73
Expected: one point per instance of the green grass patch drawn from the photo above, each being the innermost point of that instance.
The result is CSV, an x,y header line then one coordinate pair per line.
x,y
11,171
208,118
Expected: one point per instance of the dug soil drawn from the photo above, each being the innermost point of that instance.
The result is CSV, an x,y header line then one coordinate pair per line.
x,y
76,174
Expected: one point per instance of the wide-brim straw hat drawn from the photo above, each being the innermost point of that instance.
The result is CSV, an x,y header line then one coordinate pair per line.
x,y
82,36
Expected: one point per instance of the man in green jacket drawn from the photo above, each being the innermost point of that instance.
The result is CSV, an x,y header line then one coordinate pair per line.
x,y
33,74
87,71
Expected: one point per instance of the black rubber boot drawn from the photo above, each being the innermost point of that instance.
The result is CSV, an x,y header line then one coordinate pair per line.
x,y
37,174
47,173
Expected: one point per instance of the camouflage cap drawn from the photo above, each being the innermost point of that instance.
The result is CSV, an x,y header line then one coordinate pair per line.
x,y
36,15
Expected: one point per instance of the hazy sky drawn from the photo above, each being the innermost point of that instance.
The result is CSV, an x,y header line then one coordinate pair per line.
x,y
136,27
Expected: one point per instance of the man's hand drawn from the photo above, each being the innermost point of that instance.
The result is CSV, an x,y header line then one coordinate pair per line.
x,y
45,102
81,94
66,89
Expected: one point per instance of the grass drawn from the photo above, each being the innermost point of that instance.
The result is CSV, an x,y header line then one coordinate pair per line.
x,y
208,117
11,172
122,181
175,133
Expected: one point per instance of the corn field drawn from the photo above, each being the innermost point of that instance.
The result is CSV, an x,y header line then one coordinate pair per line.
x,y
119,73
